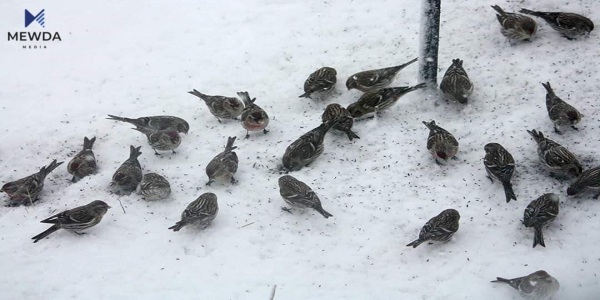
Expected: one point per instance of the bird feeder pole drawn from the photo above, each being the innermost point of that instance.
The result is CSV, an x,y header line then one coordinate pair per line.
x,y
430,36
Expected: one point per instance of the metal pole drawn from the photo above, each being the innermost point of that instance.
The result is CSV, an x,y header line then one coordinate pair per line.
x,y
430,35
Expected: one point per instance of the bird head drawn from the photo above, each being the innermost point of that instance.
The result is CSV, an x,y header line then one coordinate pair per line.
x,y
351,82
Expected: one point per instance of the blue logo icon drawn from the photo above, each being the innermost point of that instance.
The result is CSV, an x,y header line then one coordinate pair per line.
x,y
29,18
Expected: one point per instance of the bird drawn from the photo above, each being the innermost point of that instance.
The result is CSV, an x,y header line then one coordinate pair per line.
x,y
515,26
539,213
297,194
555,157
441,144
163,140
306,148
560,112
200,213
588,180
337,112
439,228
154,187
378,100
320,81
26,191
76,219
570,25
223,166
538,285
84,163
500,165
253,117
456,85
220,106
156,123
370,80
129,174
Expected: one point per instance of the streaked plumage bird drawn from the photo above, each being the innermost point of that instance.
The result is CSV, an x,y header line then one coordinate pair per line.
x,y
336,112
441,144
223,166
500,166
254,118
456,85
321,81
154,187
378,100
539,213
200,213
26,191
555,157
306,148
129,174
439,228
76,219
588,180
374,79
570,25
220,106
538,285
84,163
156,123
163,140
515,26
297,194
560,112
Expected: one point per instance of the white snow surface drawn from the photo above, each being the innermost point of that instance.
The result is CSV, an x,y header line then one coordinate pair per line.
x,y
141,58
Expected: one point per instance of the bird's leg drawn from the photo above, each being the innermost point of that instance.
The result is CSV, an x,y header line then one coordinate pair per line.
x,y
287,209
173,151
155,152
597,196
454,158
233,181
265,131
490,178
79,233
556,130
573,126
219,120
209,182
247,134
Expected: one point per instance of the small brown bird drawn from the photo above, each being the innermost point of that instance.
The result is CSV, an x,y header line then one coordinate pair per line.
x,y
297,194
456,85
154,187
306,148
156,123
441,144
560,112
515,26
76,219
378,100
223,166
321,81
555,157
336,112
570,25
539,213
588,180
374,79
26,191
254,118
538,285
84,163
500,166
163,140
439,228
220,106
129,174
200,213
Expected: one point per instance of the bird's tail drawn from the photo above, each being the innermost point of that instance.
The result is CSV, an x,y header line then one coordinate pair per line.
x,y
134,152
430,125
404,65
230,141
415,243
306,95
323,212
246,98
533,13
508,190
548,88
416,87
351,135
49,168
197,94
537,136
88,144
177,226
498,9
122,119
45,233
538,237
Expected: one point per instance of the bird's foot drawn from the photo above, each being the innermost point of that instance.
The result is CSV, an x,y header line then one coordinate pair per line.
x,y
574,127
265,131
287,209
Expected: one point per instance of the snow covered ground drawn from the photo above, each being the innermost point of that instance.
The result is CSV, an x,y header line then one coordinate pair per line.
x,y
137,59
